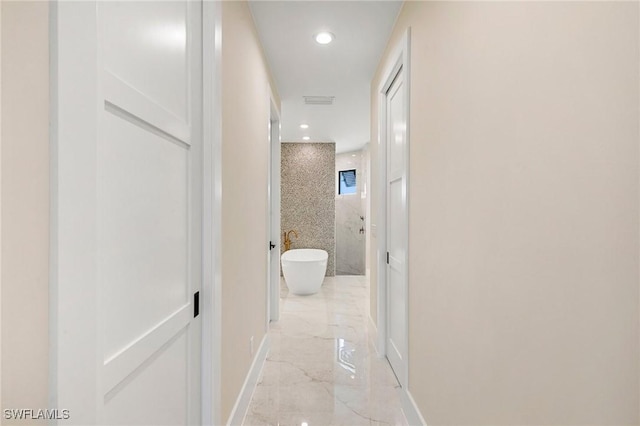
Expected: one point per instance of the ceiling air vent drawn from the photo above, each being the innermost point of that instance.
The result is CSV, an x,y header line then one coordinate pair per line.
x,y
318,100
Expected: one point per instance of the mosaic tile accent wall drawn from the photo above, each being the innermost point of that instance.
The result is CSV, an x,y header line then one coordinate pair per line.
x,y
308,185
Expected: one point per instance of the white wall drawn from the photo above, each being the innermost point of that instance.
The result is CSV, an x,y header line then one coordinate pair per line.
x,y
350,243
246,87
524,211
366,166
24,177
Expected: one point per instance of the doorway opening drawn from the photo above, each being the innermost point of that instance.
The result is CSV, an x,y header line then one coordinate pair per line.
x,y
273,191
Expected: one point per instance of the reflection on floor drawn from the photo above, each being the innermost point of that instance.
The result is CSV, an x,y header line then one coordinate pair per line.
x,y
321,369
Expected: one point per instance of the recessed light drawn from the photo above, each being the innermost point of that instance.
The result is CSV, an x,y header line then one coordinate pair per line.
x,y
304,126
324,37
353,155
305,138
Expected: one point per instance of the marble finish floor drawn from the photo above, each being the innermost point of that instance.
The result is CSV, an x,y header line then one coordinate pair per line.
x,y
322,368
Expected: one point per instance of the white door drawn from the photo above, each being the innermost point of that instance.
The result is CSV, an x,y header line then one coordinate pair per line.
x,y
274,218
149,199
141,164
396,227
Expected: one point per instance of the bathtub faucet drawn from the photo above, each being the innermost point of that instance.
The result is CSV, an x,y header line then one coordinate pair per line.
x,y
287,239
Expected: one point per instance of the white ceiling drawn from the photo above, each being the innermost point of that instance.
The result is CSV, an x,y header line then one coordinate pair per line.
x,y
343,68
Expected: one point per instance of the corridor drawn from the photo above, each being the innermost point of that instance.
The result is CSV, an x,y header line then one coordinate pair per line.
x,y
322,368
479,161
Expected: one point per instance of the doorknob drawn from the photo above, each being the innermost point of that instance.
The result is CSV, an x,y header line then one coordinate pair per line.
x,y
271,245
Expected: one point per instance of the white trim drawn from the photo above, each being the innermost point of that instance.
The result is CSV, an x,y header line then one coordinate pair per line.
x,y
400,59
212,213
381,230
75,347
410,409
239,410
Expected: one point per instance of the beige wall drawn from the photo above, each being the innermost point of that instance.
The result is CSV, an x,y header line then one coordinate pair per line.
x,y
25,204
245,158
524,218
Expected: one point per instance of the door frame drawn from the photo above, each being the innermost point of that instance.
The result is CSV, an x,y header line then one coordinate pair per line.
x,y
273,207
399,60
74,321
211,368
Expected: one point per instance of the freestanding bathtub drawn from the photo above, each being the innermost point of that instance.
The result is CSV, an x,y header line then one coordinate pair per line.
x,y
304,270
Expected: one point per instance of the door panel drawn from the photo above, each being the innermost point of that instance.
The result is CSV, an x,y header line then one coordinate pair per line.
x,y
396,226
142,230
149,201
126,211
146,46
160,381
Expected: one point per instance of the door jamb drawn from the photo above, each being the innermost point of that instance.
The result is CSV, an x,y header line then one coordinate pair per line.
x,y
211,392
400,60
273,191
73,226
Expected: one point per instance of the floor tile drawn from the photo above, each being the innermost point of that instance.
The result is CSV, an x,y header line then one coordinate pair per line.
x,y
321,368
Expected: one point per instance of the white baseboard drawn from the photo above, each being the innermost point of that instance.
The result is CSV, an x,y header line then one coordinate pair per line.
x,y
411,410
239,410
